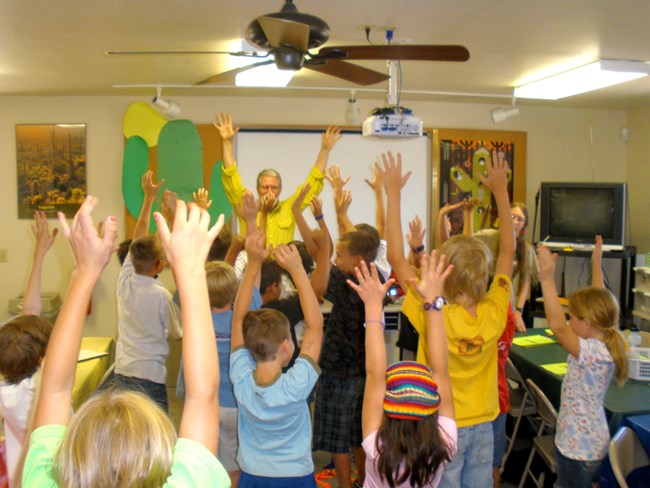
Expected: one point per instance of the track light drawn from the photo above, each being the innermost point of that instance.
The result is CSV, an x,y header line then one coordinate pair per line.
x,y
168,107
500,114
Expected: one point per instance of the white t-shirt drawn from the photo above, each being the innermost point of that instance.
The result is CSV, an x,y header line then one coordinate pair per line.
x,y
450,431
17,410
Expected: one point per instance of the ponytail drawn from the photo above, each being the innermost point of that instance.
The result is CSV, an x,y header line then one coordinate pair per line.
x,y
616,347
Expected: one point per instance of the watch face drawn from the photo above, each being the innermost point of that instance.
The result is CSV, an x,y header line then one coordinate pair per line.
x,y
439,302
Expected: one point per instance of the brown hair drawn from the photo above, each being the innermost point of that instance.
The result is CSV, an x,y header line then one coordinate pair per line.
x,y
271,274
116,438
472,262
362,244
524,249
222,283
220,245
599,307
145,253
264,330
410,451
23,341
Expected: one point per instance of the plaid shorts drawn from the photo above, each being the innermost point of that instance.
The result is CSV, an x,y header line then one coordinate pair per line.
x,y
337,414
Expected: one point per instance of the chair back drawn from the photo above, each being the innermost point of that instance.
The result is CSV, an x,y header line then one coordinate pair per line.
x,y
545,408
626,453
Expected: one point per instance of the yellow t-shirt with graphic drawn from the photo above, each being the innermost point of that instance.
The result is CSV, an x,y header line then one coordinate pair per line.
x,y
472,346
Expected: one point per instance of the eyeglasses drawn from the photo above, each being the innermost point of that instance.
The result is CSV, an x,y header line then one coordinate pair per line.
x,y
269,187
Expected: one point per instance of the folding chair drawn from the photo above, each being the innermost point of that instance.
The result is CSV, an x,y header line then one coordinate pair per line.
x,y
521,404
544,441
626,453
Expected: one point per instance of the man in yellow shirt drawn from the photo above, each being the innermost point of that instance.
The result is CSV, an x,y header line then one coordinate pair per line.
x,y
280,222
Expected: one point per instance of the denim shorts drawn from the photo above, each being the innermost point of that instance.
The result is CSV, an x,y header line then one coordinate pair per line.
x,y
572,473
471,467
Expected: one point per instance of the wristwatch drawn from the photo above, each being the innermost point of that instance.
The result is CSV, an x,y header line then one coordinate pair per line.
x,y
436,304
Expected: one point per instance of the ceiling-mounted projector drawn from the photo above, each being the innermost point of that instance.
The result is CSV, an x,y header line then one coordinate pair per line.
x,y
392,122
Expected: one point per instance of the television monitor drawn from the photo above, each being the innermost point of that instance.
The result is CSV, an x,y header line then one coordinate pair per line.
x,y
572,214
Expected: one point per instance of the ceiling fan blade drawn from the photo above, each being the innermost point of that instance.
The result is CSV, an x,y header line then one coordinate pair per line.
x,y
121,53
349,72
229,74
402,52
282,32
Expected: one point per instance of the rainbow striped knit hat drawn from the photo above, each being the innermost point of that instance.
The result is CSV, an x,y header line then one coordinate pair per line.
x,y
411,393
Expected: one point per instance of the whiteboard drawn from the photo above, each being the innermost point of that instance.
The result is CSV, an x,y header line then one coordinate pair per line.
x,y
293,153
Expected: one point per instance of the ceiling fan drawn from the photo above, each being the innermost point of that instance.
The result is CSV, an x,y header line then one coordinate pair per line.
x,y
288,36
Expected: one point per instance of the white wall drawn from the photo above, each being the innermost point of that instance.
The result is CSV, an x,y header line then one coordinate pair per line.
x,y
563,144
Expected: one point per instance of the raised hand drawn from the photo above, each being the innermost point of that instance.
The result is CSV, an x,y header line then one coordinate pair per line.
x,y
377,182
597,254
247,208
168,205
434,273
91,250
187,245
497,170
415,235
296,205
41,231
545,263
336,180
288,258
342,203
202,198
370,289
330,137
391,173
223,124
256,247
316,207
150,188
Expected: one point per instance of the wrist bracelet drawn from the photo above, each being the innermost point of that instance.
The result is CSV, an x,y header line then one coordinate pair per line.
x,y
418,250
383,325
519,309
318,217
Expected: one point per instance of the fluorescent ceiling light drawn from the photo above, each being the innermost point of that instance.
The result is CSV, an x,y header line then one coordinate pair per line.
x,y
586,78
267,75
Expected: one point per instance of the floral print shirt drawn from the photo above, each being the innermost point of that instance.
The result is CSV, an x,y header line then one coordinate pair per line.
x,y
582,430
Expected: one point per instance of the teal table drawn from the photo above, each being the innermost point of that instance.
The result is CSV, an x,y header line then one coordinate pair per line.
x,y
632,399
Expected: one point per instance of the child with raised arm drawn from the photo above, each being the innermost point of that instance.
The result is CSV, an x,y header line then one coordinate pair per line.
x,y
101,445
274,423
408,411
474,320
146,312
596,351
23,341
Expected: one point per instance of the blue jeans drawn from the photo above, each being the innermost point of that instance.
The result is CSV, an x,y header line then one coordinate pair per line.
x,y
156,391
251,481
471,467
499,431
575,474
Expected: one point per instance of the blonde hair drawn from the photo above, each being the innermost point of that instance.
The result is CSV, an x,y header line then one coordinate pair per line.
x,y
599,307
472,262
222,283
264,330
117,438
145,253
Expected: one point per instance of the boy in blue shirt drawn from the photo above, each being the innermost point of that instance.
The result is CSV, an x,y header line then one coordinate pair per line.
x,y
274,423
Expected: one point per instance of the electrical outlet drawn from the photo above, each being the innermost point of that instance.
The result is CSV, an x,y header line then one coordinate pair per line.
x,y
3,255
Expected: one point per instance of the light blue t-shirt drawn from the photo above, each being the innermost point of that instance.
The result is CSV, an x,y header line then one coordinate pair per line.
x,y
274,424
222,325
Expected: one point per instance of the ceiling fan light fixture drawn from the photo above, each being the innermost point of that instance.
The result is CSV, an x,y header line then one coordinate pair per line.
x,y
264,76
590,77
